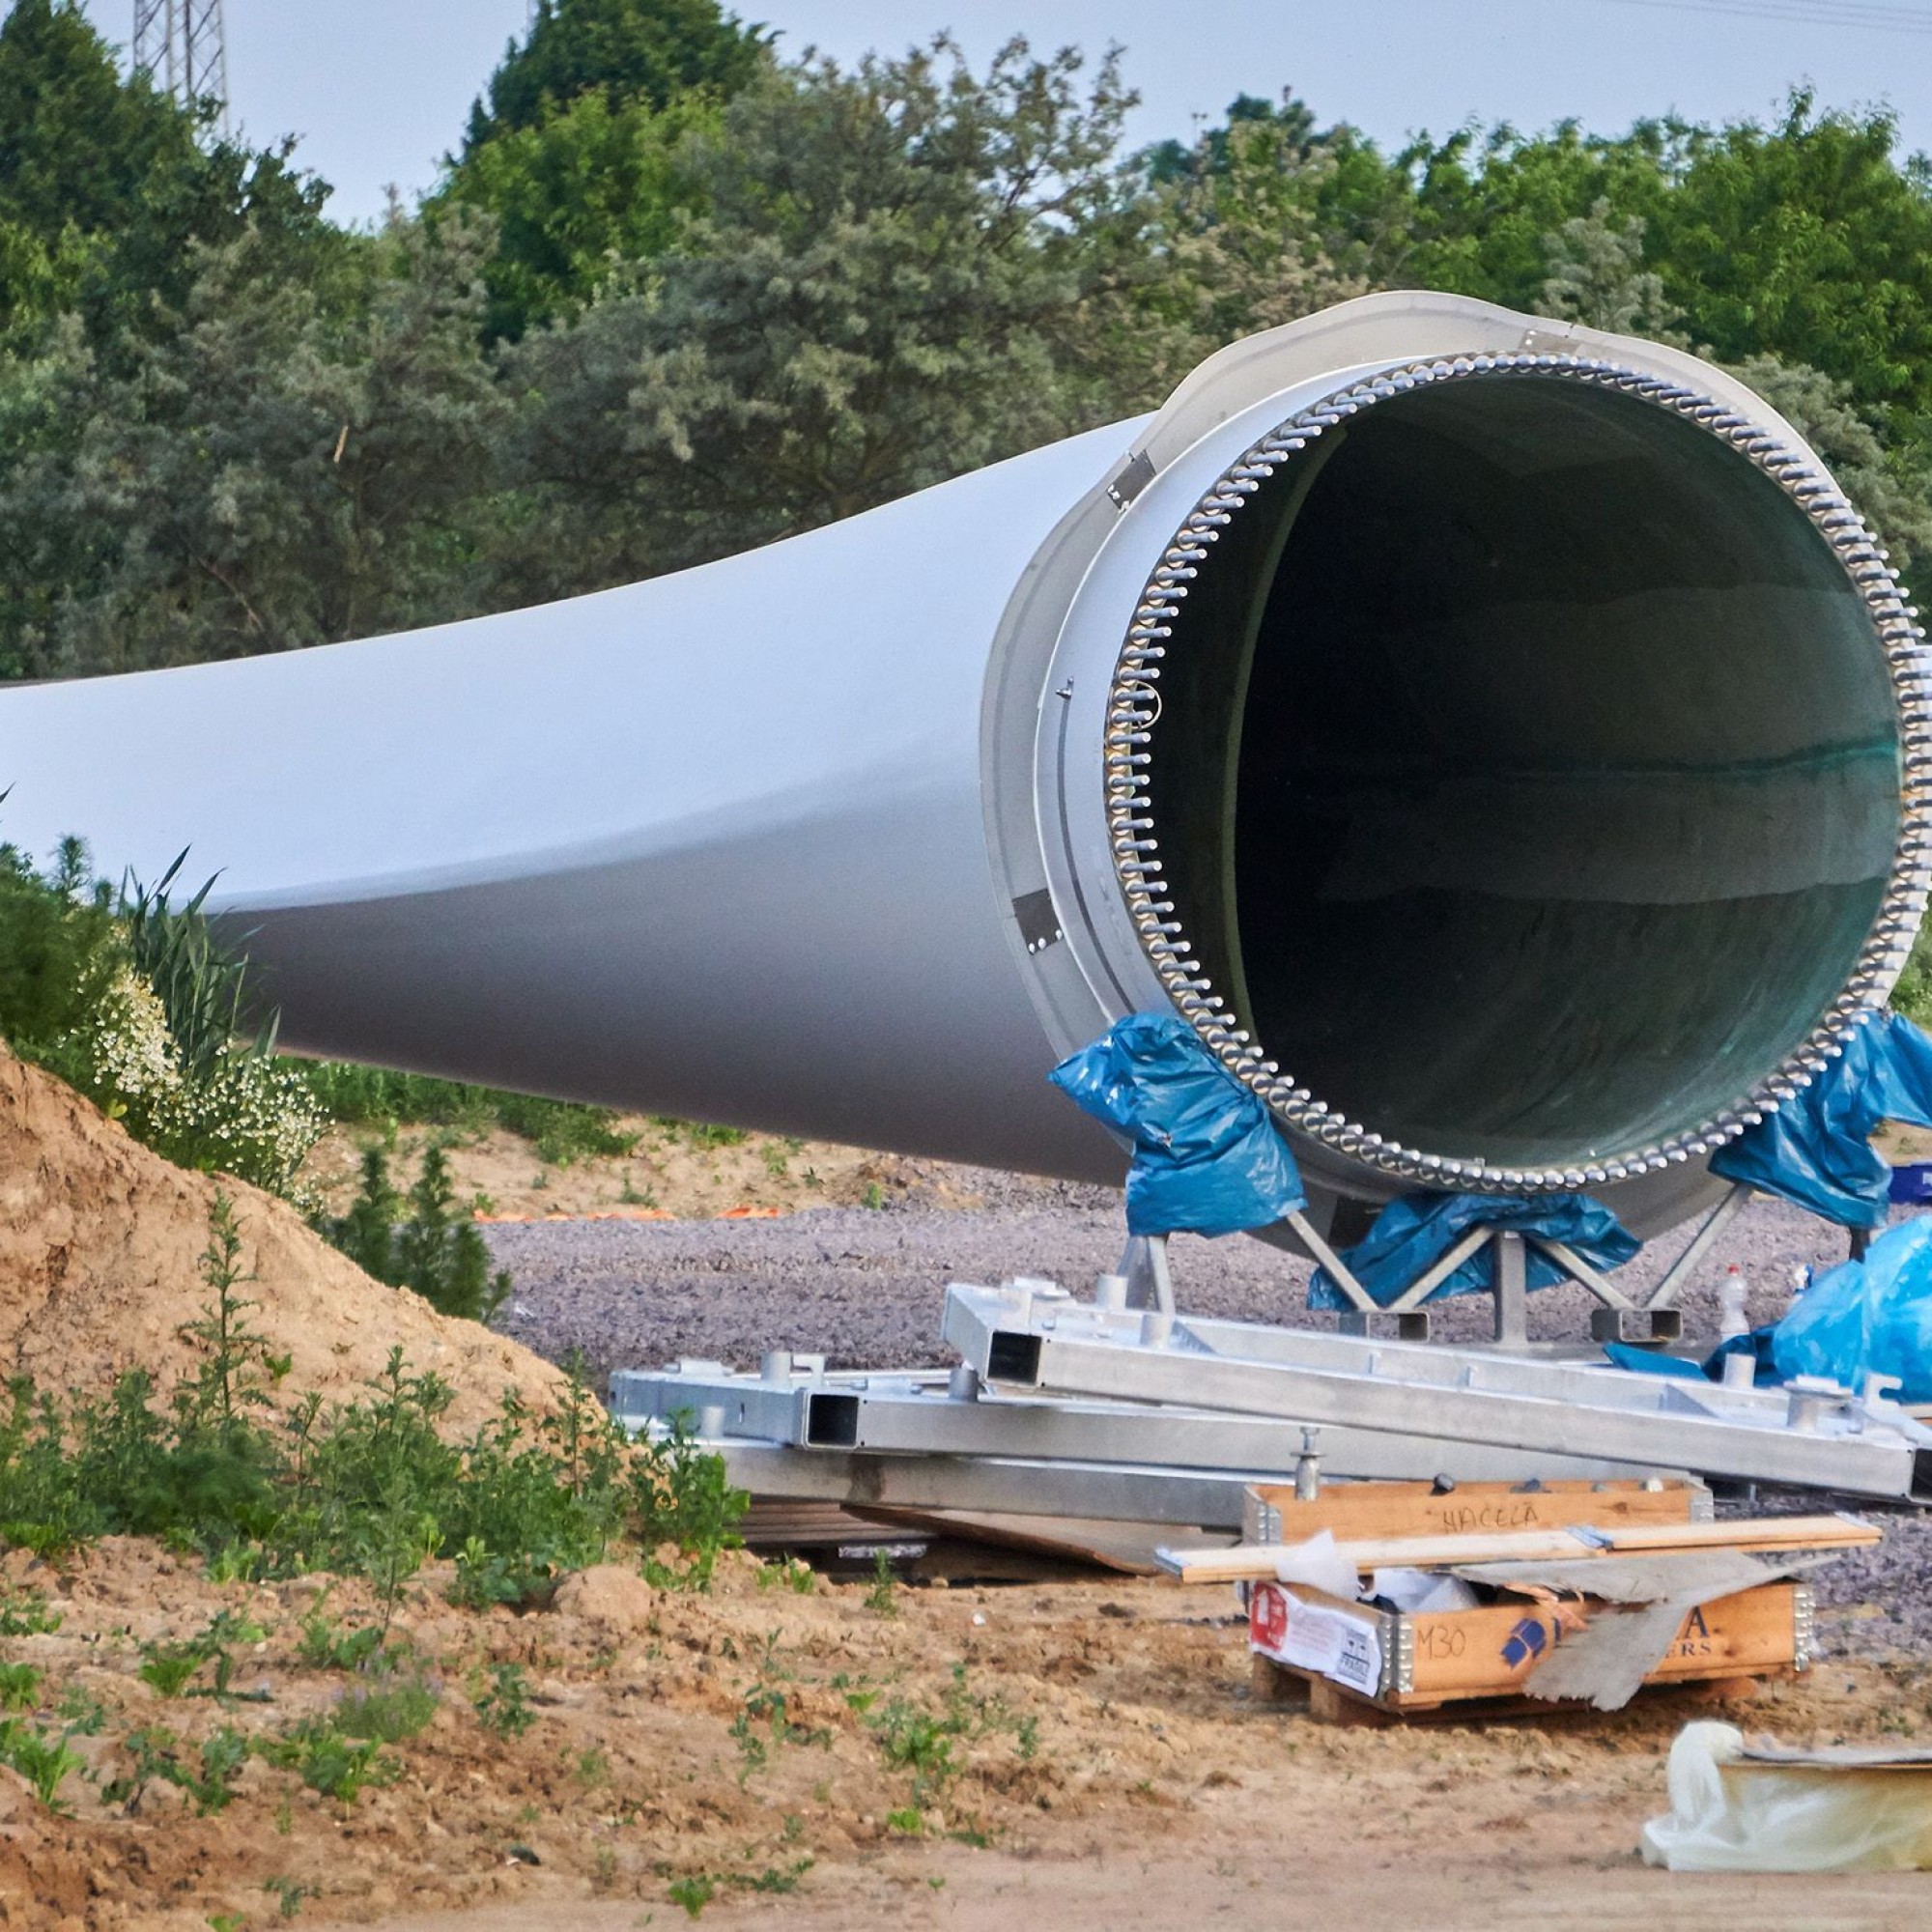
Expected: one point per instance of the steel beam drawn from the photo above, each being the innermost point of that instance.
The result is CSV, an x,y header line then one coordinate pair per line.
x,y
927,1415
1039,1339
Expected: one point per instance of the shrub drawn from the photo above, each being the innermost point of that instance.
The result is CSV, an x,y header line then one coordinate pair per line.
x,y
437,1252
372,1489
682,1497
60,951
388,1706
563,1130
137,1004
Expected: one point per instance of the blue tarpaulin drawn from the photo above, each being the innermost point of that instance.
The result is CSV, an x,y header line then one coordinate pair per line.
x,y
1866,1317
1816,1148
1869,1316
1412,1234
1207,1157
1653,1362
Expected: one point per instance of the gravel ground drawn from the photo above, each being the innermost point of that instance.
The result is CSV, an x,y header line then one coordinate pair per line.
x,y
867,1288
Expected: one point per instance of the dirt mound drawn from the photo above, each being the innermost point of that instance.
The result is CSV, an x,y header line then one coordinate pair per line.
x,y
101,1243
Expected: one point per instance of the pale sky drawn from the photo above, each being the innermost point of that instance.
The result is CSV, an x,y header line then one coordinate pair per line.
x,y
379,88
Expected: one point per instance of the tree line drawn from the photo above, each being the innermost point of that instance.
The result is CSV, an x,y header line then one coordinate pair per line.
x,y
673,294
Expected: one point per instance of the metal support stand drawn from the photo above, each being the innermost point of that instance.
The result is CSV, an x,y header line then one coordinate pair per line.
x,y
1511,1292
1144,1282
1144,1268
1666,1323
1619,1318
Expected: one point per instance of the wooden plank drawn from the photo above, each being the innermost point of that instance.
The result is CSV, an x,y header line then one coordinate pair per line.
x,y
1249,1560
1355,1511
1127,1547
1837,1531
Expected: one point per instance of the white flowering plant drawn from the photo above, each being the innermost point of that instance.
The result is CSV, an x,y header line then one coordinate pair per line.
x,y
140,1005
240,1112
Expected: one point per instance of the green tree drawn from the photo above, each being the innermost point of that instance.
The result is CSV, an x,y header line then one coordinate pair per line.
x,y
1810,243
1597,277
1891,488
1227,242
438,1252
889,264
1470,213
105,184
630,51
1292,118
280,468
594,185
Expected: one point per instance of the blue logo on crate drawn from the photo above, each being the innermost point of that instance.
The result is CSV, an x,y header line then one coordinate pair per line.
x,y
1525,1641
1912,1182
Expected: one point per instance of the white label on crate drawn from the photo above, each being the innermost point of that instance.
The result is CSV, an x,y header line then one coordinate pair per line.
x,y
1332,1643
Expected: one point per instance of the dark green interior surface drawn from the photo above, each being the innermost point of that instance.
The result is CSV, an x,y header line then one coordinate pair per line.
x,y
1526,773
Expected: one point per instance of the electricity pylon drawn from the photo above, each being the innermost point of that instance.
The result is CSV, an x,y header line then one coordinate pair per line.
x,y
182,44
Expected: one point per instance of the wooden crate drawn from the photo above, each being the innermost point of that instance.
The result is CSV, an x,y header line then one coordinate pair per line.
x,y
1357,1512
1415,1662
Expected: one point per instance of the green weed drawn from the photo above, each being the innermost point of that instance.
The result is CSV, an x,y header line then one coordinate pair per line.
x,y
327,1646
208,1779
373,1488
25,1613
167,1667
680,1496
20,1687
328,1760
923,1741
502,1700
798,1577
289,1895
388,1708
694,1893
42,1758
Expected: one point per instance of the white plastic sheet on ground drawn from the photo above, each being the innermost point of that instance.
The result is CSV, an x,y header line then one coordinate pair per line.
x,y
1735,1807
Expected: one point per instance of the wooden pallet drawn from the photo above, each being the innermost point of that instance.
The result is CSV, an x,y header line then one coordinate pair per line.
x,y
1281,1686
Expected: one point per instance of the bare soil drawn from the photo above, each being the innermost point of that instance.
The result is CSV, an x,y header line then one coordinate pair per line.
x,y
1112,1769
1080,1754
100,1245
678,1172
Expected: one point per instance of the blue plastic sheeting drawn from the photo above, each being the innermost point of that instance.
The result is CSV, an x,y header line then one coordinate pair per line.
x,y
1816,1150
1411,1235
1653,1362
1868,1317
1207,1159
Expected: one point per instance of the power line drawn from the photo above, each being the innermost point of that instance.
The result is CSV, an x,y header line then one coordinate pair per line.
x,y
183,45
1860,15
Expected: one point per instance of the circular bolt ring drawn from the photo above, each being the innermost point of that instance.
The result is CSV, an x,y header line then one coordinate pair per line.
x,y
1859,555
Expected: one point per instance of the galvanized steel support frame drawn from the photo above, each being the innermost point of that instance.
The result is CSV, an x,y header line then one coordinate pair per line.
x,y
1810,1436
914,1433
